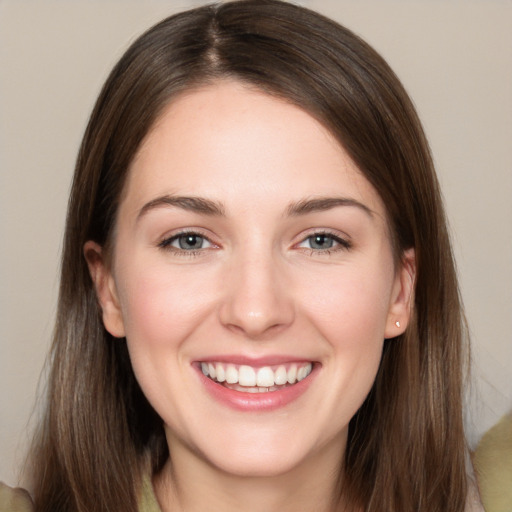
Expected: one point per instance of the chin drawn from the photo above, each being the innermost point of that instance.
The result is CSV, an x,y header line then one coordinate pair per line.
x,y
258,466
270,455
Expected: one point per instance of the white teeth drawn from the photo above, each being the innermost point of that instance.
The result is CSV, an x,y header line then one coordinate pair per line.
x,y
259,379
265,377
292,374
301,373
246,376
280,376
231,374
221,374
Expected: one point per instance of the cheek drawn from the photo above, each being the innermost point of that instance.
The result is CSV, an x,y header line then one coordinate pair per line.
x,y
349,308
351,314
160,308
161,311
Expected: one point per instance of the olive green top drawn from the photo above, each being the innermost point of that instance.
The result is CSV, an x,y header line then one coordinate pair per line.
x,y
18,500
14,500
148,501
493,465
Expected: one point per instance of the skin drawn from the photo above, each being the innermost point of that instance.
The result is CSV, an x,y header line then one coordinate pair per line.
x,y
257,287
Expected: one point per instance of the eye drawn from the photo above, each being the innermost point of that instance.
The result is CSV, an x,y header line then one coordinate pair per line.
x,y
188,242
324,242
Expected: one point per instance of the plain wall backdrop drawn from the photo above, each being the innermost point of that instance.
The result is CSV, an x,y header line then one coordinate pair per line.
x,y
454,58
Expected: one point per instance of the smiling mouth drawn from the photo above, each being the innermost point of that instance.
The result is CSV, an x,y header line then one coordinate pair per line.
x,y
249,379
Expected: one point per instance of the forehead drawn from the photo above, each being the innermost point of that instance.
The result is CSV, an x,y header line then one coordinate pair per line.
x,y
240,144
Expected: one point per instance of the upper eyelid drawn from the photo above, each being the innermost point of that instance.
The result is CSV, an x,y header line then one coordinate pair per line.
x,y
342,240
343,237
335,233
167,239
186,231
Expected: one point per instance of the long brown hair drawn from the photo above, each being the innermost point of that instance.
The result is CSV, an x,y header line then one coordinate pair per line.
x,y
406,444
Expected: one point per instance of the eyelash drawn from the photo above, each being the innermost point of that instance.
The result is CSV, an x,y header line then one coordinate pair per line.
x,y
166,244
341,244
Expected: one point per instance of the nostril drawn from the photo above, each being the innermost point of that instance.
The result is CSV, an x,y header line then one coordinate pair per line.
x,y
256,331
256,301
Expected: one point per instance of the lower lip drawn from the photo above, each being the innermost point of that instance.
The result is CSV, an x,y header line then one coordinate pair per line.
x,y
267,401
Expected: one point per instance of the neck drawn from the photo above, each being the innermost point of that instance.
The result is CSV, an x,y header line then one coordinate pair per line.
x,y
190,484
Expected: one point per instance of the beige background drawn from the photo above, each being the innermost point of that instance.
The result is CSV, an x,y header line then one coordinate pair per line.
x,y
454,57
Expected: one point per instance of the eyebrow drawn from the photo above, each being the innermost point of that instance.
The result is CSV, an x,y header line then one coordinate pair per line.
x,y
190,203
213,208
319,204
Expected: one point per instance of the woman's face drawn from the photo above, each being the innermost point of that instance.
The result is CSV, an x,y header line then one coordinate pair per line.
x,y
250,250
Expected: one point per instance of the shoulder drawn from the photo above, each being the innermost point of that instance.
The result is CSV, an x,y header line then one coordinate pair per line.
x,y
493,465
147,500
473,502
14,500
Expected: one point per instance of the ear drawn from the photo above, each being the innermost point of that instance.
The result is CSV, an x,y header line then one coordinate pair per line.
x,y
105,289
402,297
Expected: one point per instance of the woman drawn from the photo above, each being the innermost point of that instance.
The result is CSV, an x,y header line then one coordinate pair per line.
x,y
258,305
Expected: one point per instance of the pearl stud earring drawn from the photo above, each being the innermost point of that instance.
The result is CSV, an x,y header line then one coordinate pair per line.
x,y
397,323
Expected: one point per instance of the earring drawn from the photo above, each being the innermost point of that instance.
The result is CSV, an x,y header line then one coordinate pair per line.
x,y
397,323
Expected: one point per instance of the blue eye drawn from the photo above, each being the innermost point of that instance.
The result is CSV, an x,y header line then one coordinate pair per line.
x,y
324,242
186,242
320,241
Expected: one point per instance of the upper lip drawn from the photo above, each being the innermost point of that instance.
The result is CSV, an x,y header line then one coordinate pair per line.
x,y
268,360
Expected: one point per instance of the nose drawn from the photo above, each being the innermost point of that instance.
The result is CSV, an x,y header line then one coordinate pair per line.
x,y
257,298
